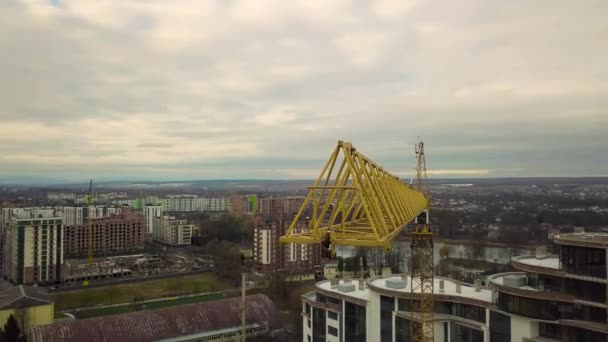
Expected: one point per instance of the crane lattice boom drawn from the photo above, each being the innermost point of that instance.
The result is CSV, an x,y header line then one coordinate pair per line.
x,y
355,202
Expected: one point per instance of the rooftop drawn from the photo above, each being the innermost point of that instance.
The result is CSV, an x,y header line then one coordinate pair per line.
x,y
583,239
466,290
551,261
162,324
356,294
19,297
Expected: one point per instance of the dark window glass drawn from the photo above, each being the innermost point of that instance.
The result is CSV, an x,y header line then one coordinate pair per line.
x,y
387,306
500,327
332,331
332,315
318,325
553,331
461,333
354,322
584,261
402,330
469,312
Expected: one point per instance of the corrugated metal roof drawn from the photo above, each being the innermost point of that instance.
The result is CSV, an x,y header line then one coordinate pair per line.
x,y
162,323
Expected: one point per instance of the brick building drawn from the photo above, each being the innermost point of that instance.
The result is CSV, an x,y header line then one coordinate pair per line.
x,y
117,234
275,208
269,255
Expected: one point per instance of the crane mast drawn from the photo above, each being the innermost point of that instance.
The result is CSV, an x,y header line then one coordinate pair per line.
x,y
422,320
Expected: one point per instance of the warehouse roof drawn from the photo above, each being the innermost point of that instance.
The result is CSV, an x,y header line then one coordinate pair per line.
x,y
162,323
19,297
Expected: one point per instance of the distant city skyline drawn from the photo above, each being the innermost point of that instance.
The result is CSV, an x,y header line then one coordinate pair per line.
x,y
131,90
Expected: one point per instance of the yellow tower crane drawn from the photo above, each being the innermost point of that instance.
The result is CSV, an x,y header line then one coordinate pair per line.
x,y
421,261
356,202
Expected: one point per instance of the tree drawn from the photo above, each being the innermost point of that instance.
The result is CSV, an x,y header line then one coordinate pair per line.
x,y
340,265
356,264
12,331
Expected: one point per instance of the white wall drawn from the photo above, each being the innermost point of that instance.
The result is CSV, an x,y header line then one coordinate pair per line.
x,y
522,328
372,316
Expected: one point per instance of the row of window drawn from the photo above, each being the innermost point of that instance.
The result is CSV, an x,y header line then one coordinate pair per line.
x,y
467,311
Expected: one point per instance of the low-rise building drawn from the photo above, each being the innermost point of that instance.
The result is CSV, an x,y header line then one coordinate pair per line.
x,y
210,321
171,231
30,306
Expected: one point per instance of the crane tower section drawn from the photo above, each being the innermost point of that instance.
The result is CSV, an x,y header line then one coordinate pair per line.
x,y
355,202
422,321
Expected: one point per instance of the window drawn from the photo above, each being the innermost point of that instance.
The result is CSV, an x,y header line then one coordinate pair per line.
x,y
354,322
332,315
500,327
461,333
387,306
332,331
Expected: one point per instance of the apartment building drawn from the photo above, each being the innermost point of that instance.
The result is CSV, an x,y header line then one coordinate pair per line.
x,y
171,231
550,298
121,233
33,250
279,207
73,215
151,212
269,255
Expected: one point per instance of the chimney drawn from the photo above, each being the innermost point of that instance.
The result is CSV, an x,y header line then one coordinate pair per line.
x,y
477,285
458,286
361,284
441,286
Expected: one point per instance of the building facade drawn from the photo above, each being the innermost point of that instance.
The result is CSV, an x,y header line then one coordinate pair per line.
x,y
122,233
550,298
269,255
171,231
279,207
73,215
151,212
33,250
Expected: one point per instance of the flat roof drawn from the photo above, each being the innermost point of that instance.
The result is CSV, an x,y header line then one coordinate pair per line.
x,y
551,261
356,294
466,290
583,239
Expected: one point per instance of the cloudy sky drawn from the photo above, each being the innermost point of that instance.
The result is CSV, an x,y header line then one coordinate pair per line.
x,y
202,89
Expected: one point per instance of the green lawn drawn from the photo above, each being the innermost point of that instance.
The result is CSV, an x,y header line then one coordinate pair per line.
x,y
148,306
124,293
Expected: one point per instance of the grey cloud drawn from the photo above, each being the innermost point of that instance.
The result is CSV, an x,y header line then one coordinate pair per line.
x,y
514,88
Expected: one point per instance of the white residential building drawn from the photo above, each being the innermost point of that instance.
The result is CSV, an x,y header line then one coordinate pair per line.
x,y
33,251
150,213
171,231
73,215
